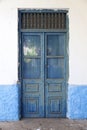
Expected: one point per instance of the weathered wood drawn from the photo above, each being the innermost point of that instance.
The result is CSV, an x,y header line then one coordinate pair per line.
x,y
32,20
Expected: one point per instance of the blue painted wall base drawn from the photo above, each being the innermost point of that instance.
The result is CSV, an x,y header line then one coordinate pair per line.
x,y
9,103
77,102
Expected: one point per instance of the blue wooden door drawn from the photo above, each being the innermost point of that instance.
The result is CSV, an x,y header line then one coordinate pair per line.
x,y
32,75
55,86
43,75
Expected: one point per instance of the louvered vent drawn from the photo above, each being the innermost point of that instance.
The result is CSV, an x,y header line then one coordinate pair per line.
x,y
43,20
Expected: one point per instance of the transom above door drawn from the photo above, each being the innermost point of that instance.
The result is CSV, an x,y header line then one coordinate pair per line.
x,y
43,74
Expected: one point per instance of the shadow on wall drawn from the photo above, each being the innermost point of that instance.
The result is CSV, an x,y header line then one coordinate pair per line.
x,y
67,54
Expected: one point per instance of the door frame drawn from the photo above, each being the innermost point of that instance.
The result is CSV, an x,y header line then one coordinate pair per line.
x,y
20,31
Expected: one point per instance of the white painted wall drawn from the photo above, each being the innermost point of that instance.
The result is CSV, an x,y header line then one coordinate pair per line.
x,y
77,37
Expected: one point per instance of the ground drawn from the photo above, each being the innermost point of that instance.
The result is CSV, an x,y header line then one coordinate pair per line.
x,y
45,124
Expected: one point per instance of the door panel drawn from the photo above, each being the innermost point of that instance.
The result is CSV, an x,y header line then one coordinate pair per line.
x,y
55,99
55,74
43,75
55,68
31,45
55,45
33,65
33,99
33,85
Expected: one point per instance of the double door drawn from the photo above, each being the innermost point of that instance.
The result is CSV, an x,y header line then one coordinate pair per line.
x,y
43,75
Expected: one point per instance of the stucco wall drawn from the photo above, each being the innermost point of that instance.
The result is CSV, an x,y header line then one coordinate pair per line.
x,y
9,37
9,102
77,102
77,44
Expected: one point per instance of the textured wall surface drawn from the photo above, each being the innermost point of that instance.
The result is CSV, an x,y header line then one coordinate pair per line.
x,y
77,102
9,102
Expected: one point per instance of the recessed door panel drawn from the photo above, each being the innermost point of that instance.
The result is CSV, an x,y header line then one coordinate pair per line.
x,y
31,45
31,68
55,68
55,45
